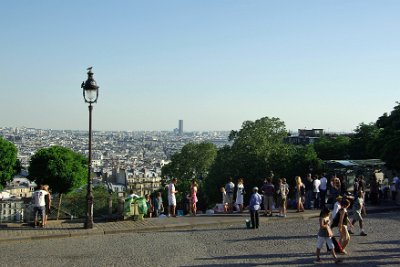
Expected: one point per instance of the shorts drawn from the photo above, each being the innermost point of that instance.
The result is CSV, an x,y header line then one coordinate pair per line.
x,y
322,240
268,200
39,211
172,200
229,199
357,216
283,202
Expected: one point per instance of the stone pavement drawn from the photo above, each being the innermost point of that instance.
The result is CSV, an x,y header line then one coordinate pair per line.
x,y
63,229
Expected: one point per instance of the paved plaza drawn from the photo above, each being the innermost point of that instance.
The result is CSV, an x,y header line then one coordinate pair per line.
x,y
223,242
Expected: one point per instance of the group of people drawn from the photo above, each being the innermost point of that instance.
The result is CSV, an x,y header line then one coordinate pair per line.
x,y
340,219
41,201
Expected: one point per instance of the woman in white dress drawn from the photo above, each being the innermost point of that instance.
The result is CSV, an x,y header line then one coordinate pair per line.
x,y
239,194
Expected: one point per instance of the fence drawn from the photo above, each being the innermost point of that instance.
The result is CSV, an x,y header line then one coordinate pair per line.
x,y
62,208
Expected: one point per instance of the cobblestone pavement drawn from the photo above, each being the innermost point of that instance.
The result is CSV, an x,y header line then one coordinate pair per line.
x,y
279,242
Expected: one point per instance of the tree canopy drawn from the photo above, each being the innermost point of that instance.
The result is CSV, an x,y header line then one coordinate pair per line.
x,y
259,150
8,161
59,167
388,142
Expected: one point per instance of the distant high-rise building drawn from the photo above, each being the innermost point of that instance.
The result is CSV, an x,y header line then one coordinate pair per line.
x,y
180,127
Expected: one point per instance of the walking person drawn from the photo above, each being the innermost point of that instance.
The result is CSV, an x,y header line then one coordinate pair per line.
x,y
283,192
343,224
357,210
193,197
300,192
325,235
171,197
39,205
268,190
254,207
229,189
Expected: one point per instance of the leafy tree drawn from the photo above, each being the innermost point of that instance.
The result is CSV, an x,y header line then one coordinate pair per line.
x,y
363,143
59,167
8,161
219,172
389,138
258,149
329,148
192,162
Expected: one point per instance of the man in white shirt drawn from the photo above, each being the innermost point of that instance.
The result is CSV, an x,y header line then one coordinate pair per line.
x,y
39,204
322,190
316,184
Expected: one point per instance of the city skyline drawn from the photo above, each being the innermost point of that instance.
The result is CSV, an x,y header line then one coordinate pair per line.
x,y
212,64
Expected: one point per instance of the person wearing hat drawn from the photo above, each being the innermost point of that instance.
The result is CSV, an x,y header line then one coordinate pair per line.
x,y
254,207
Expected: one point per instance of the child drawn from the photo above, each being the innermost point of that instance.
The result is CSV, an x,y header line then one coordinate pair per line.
x,y
254,206
325,235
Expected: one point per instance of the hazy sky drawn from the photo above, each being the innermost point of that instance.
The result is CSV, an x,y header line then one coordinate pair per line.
x,y
213,63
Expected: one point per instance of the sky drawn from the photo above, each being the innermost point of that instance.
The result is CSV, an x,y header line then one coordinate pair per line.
x,y
329,64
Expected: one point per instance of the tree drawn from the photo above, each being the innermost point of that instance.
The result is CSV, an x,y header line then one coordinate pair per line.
x,y
388,143
363,142
61,168
329,148
8,161
192,162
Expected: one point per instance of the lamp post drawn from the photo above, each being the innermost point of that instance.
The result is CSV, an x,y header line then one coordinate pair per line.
x,y
90,94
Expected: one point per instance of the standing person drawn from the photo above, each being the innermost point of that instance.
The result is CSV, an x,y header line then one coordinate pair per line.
x,y
316,184
309,191
240,194
325,235
158,205
193,197
224,199
268,190
229,189
39,205
335,189
357,210
254,207
171,197
323,187
393,189
149,205
300,192
282,196
342,225
47,199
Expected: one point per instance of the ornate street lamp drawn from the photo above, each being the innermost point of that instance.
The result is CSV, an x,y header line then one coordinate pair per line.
x,y
90,94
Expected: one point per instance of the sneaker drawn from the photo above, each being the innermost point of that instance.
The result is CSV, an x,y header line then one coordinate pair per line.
x,y
351,232
363,234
